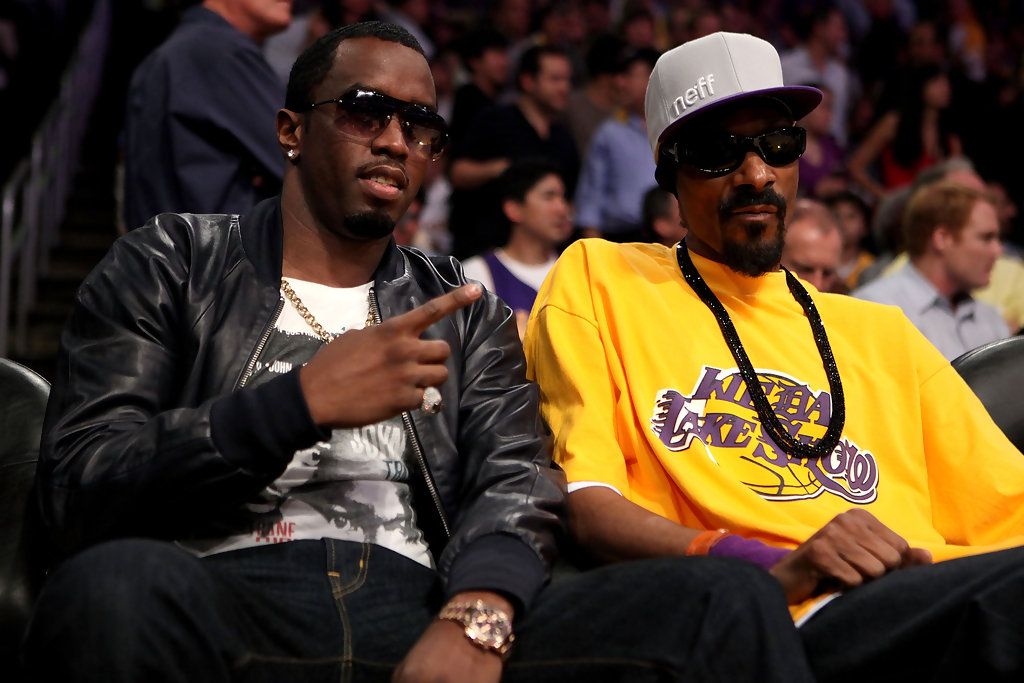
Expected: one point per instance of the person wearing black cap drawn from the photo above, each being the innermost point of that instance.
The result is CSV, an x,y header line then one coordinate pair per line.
x,y
704,401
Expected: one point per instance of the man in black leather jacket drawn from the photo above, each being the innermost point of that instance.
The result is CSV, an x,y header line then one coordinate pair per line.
x,y
230,383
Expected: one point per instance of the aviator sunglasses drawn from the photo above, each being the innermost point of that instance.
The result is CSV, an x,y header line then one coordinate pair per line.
x,y
722,153
362,115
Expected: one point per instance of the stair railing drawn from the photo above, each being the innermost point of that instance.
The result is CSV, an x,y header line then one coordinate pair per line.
x,y
34,198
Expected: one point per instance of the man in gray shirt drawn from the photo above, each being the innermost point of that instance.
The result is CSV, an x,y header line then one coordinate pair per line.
x,y
952,237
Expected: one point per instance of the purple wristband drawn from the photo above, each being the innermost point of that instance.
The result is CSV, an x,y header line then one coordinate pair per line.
x,y
749,549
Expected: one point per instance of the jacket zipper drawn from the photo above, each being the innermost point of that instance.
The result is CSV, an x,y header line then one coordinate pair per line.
x,y
417,449
259,346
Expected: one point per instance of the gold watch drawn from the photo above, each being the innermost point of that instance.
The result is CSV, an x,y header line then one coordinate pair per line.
x,y
488,628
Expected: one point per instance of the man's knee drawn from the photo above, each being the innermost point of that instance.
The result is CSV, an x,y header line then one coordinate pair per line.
x,y
734,581
124,608
123,571
723,589
118,581
730,607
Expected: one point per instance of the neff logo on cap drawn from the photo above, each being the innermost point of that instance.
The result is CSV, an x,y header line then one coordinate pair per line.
x,y
700,91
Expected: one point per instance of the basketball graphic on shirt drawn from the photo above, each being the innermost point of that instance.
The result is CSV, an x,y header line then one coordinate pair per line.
x,y
779,483
718,418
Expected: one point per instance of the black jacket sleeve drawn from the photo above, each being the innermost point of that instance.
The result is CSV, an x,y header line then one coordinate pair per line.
x,y
511,499
124,450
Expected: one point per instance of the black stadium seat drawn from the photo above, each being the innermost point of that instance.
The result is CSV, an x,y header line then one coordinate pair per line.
x,y
995,372
23,396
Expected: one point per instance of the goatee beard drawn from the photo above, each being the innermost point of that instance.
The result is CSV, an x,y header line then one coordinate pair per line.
x,y
369,225
754,256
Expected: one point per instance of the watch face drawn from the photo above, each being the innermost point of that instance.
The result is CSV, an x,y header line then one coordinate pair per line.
x,y
484,626
487,628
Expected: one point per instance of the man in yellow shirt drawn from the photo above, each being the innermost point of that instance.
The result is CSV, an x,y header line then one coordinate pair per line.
x,y
705,401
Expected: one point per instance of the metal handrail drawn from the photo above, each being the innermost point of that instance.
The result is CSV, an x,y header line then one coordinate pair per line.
x,y
12,241
35,195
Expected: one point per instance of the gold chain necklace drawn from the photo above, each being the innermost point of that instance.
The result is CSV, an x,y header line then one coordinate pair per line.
x,y
326,336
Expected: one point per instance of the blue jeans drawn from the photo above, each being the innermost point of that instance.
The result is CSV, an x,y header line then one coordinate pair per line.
x,y
141,610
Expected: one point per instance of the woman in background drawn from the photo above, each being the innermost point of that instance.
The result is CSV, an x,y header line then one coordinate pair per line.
x,y
908,139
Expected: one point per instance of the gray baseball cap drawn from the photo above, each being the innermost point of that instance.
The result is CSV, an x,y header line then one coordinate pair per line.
x,y
706,73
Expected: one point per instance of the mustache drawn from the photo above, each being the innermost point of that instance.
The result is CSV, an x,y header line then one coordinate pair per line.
x,y
383,162
745,196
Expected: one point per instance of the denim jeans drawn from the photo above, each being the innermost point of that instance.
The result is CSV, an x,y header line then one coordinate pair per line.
x,y
142,610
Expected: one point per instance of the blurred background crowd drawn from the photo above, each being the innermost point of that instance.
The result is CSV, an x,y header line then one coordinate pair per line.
x,y
915,92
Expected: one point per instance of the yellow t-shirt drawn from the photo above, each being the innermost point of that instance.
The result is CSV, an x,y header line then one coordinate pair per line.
x,y
642,394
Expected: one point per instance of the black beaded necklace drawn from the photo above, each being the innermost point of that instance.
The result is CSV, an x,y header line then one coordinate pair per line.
x,y
769,420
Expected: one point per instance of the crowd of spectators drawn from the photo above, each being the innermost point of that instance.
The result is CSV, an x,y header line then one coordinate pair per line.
x,y
907,196
909,86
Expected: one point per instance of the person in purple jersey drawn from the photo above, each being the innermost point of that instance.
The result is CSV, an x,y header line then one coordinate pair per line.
x,y
534,204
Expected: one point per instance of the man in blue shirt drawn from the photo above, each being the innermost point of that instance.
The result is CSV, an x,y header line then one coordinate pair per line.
x,y
198,128
618,168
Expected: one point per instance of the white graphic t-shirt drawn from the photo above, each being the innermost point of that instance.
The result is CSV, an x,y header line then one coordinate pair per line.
x,y
353,487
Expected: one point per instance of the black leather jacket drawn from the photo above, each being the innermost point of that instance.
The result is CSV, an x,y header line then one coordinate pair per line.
x,y
150,429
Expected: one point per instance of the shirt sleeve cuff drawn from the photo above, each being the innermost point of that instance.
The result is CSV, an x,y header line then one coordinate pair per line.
x,y
580,485
260,428
499,563
749,549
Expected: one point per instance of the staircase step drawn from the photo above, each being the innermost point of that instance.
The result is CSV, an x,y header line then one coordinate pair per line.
x,y
92,241
53,291
67,264
91,219
49,313
43,340
77,258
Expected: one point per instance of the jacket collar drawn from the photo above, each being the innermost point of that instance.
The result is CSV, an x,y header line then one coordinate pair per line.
x,y
262,240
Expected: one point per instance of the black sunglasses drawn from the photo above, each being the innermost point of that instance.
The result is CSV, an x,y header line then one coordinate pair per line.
x,y
722,153
363,114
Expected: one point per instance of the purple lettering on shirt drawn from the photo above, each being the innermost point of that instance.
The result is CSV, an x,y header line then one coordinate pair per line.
x,y
720,414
